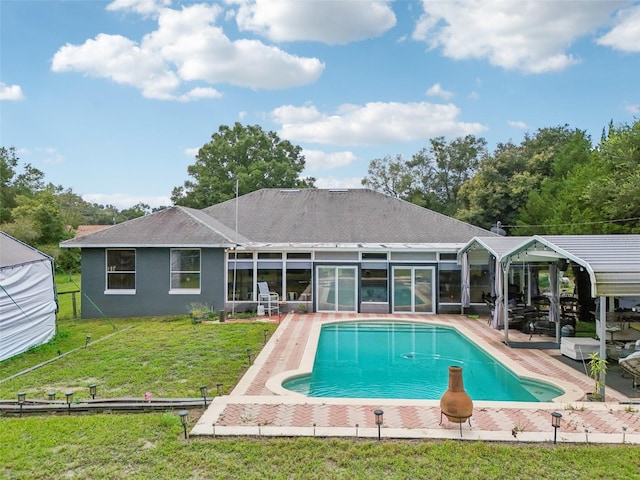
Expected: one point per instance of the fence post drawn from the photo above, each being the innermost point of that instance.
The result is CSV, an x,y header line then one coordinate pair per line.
x,y
73,304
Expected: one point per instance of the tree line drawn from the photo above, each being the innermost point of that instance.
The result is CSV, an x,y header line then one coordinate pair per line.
x,y
554,182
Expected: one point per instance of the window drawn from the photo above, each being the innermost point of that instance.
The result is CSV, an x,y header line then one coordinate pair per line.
x,y
240,282
185,269
374,285
374,255
299,281
121,269
273,277
450,281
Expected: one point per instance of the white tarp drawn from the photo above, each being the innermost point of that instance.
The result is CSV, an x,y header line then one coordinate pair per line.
x,y
27,302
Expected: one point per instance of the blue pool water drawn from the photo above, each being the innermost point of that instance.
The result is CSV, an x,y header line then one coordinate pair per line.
x,y
410,361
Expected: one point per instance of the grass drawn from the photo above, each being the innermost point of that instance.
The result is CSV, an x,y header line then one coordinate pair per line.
x,y
169,357
172,357
65,284
151,446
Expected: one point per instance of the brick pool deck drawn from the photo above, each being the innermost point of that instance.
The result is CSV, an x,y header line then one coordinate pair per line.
x,y
259,406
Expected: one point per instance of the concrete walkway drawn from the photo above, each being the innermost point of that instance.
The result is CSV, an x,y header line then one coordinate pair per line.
x,y
259,406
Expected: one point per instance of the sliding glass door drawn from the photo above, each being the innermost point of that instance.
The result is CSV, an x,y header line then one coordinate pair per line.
x,y
337,288
413,290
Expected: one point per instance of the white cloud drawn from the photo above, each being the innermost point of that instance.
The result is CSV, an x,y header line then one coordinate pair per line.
x,y
518,124
191,152
53,156
528,35
186,47
316,160
143,7
437,91
342,182
199,93
124,200
371,124
633,108
11,92
121,60
625,35
322,21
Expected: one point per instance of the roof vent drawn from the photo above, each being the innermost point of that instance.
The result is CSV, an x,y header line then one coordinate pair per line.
x,y
338,190
290,190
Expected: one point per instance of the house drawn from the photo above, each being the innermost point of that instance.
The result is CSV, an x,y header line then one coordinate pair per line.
x,y
347,250
28,303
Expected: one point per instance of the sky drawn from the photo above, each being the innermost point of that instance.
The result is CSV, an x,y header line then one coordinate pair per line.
x,y
113,99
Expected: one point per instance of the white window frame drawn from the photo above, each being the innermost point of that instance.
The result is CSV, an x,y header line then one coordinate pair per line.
x,y
179,290
111,269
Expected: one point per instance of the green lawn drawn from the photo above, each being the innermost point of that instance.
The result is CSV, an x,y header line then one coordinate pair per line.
x,y
172,357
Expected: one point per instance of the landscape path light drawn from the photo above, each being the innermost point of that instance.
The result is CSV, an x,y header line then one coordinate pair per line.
x,y
219,388
21,398
93,388
183,420
379,420
555,423
69,396
52,395
203,392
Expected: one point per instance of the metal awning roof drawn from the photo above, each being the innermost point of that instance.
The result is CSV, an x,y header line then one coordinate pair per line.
x,y
478,249
613,261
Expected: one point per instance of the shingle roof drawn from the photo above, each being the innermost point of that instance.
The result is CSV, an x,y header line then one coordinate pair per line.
x,y
273,216
173,226
338,216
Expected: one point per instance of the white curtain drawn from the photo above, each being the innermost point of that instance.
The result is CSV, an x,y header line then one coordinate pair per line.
x,y
498,314
553,284
466,293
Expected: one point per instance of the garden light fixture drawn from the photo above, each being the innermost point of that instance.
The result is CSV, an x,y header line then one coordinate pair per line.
x,y
183,420
203,392
379,420
86,341
69,396
92,390
52,395
555,423
219,388
21,398
249,355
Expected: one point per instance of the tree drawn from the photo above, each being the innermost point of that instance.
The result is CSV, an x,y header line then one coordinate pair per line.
x,y
555,207
505,180
37,219
390,176
12,184
256,159
443,168
611,195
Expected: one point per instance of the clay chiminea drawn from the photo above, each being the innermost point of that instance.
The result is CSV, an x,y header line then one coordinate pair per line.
x,y
456,404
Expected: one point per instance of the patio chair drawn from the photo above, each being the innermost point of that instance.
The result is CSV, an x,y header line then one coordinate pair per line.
x,y
267,299
631,365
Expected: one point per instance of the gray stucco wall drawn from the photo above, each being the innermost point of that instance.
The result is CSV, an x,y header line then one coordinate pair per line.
x,y
152,295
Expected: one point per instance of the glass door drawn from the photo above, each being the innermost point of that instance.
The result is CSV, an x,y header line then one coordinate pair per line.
x,y
336,291
413,290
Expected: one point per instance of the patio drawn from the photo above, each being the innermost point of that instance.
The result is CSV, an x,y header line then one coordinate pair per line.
x,y
258,406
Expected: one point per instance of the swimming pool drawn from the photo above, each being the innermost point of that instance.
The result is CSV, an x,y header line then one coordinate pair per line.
x,y
410,361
